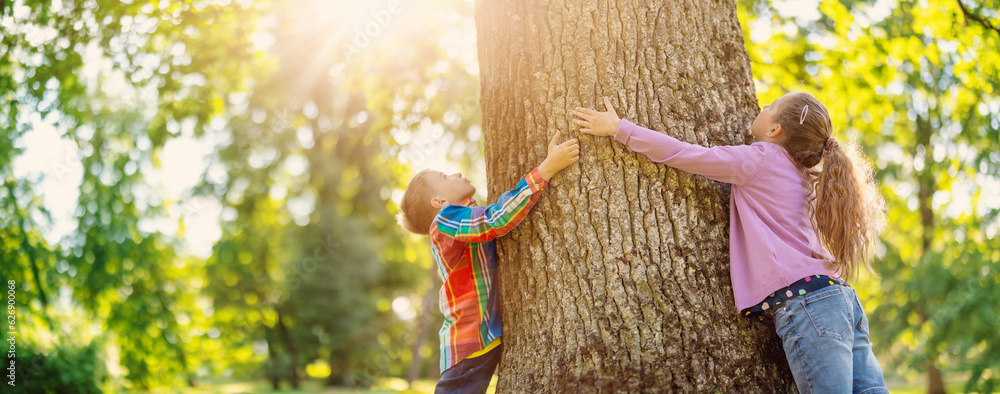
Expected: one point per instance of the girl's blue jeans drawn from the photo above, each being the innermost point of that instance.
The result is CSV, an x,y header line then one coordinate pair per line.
x,y
825,336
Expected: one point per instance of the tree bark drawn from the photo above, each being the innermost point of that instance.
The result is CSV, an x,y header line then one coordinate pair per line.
x,y
619,277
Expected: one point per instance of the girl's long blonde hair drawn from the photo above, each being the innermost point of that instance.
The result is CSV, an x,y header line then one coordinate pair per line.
x,y
847,209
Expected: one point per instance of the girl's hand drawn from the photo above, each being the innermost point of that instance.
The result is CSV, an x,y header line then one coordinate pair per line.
x,y
602,124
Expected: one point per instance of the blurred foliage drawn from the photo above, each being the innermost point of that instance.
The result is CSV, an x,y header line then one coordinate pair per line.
x,y
307,110
916,84
64,370
320,111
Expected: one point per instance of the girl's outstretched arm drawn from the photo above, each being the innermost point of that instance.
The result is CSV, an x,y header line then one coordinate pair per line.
x,y
735,164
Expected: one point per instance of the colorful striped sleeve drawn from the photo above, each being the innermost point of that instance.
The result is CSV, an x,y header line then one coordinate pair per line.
x,y
481,224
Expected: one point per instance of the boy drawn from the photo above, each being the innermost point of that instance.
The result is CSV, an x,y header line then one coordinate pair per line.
x,y
462,234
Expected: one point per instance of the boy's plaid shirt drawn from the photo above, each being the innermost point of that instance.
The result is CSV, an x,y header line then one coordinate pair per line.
x,y
462,242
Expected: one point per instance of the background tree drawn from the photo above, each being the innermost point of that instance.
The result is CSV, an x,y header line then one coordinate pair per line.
x,y
119,114
619,278
308,265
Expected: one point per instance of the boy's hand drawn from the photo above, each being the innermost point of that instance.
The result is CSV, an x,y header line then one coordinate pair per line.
x,y
601,124
560,156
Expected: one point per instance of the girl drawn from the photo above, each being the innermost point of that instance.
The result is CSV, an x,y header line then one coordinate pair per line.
x,y
783,210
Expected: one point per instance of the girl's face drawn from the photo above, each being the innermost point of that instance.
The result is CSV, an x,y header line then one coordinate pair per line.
x,y
764,126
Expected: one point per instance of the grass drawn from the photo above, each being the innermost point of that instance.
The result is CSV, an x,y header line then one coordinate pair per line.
x,y
237,386
397,385
921,388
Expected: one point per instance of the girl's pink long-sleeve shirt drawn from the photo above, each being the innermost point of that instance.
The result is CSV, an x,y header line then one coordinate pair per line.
x,y
772,241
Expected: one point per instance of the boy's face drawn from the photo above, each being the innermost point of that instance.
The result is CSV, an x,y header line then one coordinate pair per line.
x,y
448,189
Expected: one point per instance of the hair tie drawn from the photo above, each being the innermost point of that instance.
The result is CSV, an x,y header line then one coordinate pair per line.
x,y
805,110
830,144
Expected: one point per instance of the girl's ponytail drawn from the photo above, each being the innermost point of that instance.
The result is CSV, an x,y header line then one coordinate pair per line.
x,y
847,209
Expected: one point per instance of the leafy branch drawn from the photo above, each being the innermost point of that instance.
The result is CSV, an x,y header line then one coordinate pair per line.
x,y
969,14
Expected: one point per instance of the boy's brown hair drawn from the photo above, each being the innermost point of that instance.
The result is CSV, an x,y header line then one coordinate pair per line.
x,y
415,211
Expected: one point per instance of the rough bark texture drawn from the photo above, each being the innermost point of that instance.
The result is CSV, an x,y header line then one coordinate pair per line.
x,y
618,280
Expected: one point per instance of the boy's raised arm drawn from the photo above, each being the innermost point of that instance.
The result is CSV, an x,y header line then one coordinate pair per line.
x,y
480,224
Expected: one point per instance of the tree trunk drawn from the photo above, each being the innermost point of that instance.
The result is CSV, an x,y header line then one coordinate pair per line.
x,y
619,277
293,352
925,193
272,355
428,310
340,365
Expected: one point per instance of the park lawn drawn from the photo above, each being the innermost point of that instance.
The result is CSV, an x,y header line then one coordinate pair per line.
x,y
234,386
398,385
920,388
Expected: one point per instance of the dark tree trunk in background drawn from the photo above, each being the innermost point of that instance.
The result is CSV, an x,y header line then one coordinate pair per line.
x,y
925,193
428,310
272,355
293,352
341,367
619,277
